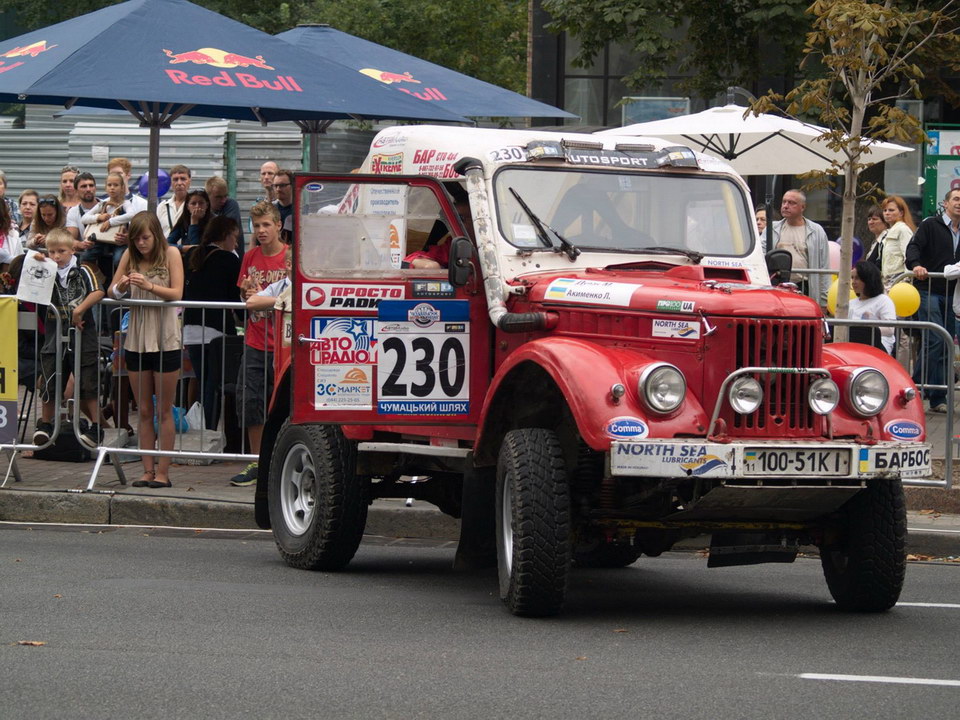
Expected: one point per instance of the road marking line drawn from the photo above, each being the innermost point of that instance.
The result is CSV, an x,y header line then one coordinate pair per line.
x,y
929,605
880,679
933,531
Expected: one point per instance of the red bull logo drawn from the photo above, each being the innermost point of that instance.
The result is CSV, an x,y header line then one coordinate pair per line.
x,y
389,78
31,50
215,57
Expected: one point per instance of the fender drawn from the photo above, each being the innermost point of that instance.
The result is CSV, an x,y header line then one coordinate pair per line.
x,y
841,359
584,372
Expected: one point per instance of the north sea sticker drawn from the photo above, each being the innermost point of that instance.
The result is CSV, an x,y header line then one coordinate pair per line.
x,y
589,291
627,428
904,429
684,329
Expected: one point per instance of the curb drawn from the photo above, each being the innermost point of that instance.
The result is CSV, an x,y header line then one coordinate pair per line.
x,y
384,518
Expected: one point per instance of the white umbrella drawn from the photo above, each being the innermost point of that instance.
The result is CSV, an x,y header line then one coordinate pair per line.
x,y
756,144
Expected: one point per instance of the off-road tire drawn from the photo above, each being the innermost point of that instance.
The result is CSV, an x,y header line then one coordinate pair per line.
x,y
318,506
865,569
533,523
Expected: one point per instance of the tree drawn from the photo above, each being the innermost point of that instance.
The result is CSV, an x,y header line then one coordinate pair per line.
x,y
717,43
485,40
862,57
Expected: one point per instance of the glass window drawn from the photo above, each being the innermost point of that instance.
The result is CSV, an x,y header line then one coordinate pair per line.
x,y
571,47
370,227
608,211
584,97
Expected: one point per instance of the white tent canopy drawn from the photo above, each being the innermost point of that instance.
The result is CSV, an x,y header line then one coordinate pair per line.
x,y
756,144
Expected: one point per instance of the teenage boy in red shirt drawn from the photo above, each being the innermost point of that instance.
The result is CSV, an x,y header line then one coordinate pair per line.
x,y
262,265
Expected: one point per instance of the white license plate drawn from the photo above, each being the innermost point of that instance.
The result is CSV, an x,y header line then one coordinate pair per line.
x,y
779,461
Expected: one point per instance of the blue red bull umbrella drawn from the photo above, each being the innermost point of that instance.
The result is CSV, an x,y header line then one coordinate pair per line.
x,y
431,83
160,59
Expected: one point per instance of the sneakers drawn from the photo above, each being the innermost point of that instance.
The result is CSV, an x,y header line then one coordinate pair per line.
x,y
941,408
248,476
43,432
92,437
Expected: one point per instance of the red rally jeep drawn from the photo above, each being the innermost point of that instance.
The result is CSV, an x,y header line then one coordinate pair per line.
x,y
591,365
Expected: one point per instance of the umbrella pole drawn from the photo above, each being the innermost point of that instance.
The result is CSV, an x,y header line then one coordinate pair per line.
x,y
153,167
771,180
311,130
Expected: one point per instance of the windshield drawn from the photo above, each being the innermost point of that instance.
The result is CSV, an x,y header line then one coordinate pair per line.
x,y
624,212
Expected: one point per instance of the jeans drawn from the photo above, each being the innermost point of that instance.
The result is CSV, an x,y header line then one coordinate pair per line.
x,y
205,358
937,309
104,250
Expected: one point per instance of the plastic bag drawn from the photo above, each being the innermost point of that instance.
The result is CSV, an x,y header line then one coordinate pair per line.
x,y
194,417
179,419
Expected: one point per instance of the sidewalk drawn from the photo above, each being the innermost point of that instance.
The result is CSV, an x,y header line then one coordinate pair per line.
x,y
202,497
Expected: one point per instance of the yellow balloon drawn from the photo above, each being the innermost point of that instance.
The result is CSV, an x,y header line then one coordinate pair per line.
x,y
832,295
906,299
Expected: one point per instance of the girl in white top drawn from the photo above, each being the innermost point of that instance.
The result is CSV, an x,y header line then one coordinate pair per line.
x,y
897,215
871,303
10,245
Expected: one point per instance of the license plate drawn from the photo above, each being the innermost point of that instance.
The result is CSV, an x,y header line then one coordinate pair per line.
x,y
773,461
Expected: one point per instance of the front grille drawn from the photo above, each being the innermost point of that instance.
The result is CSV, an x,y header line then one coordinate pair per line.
x,y
777,343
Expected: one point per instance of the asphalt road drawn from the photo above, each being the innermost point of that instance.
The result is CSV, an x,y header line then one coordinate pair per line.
x,y
171,624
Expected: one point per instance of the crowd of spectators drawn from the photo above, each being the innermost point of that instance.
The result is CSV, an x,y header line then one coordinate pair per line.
x,y
190,248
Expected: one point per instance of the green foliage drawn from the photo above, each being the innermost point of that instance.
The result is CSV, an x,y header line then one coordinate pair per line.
x,y
486,40
717,42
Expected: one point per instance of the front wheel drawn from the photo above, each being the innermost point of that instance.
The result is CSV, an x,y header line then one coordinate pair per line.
x,y
533,523
865,568
318,506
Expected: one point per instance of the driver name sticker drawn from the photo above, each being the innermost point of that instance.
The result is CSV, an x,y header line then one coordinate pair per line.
x,y
589,291
423,357
343,387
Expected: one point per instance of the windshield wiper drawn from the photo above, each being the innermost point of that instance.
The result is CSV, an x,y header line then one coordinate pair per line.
x,y
541,227
661,250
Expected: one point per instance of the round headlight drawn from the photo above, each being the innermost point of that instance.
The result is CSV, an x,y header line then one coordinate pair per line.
x,y
867,391
824,396
662,388
745,395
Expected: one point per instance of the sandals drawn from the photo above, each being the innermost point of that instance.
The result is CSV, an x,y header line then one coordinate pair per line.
x,y
145,479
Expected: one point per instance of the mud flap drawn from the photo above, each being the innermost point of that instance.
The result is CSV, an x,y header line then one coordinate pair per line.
x,y
477,548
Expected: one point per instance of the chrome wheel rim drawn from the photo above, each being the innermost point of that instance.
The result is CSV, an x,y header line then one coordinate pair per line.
x,y
506,525
298,480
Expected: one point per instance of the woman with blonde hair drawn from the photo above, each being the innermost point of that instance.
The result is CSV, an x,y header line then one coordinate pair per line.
x,y
150,269
68,190
897,215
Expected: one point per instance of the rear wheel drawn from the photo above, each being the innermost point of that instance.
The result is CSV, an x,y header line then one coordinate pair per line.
x,y
865,568
533,523
318,506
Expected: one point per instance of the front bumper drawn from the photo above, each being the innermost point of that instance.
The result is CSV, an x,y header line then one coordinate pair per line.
x,y
755,461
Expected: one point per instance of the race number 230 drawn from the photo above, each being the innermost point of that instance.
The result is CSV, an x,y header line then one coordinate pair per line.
x,y
428,367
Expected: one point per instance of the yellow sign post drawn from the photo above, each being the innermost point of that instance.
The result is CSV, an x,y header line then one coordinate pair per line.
x,y
8,371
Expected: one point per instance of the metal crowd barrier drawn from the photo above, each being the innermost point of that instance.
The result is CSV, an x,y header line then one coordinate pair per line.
x,y
214,443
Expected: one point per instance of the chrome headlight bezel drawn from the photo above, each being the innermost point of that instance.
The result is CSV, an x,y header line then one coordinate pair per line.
x,y
820,389
855,396
739,390
650,387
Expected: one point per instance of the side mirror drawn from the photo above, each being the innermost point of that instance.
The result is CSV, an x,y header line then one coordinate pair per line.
x,y
460,266
779,265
